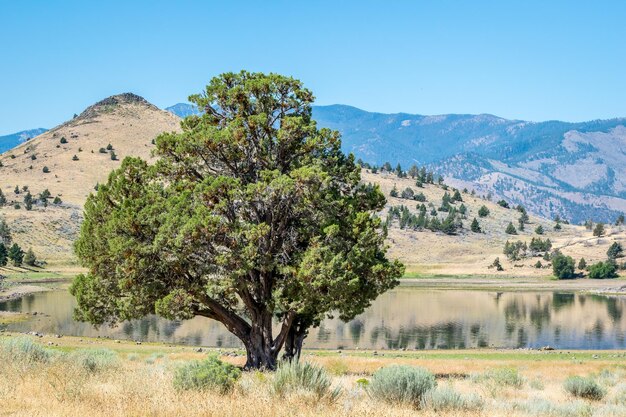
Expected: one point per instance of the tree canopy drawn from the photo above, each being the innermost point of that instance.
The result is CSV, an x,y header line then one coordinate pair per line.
x,y
251,216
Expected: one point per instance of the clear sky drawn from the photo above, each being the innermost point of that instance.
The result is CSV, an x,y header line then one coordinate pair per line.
x,y
533,60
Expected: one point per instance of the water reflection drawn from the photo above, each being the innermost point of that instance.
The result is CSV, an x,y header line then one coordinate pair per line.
x,y
406,318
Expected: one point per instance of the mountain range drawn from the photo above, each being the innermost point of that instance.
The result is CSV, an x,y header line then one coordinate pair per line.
x,y
573,170
11,141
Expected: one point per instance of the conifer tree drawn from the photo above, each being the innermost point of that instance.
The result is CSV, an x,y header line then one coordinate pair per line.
x,y
16,254
510,229
483,211
475,226
29,258
4,255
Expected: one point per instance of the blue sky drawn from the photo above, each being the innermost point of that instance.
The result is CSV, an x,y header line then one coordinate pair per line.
x,y
532,60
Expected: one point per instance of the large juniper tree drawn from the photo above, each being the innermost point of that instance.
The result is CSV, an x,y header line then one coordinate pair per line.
x,y
251,216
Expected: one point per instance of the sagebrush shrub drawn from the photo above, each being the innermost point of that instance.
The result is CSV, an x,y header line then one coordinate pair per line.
x,y
24,349
296,376
94,360
211,374
401,384
446,399
583,387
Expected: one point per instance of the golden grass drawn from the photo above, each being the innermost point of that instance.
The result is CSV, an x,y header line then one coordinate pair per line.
x,y
142,384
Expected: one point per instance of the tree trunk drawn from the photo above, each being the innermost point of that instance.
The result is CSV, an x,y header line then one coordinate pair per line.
x,y
260,350
293,343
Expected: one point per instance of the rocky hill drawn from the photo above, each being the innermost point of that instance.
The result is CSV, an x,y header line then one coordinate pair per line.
x,y
68,161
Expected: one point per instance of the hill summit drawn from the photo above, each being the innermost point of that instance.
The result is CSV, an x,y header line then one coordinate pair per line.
x,y
68,161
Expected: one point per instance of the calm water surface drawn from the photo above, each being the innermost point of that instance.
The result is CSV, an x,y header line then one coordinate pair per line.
x,y
403,318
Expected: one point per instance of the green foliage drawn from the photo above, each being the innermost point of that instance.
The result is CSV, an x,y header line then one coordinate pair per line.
x,y
515,251
483,211
23,349
57,200
401,384
620,220
447,399
113,156
457,196
109,147
582,264
510,229
284,237
615,251
210,374
16,255
28,201
408,193
475,226
4,254
497,265
462,209
563,266
3,199
537,245
29,258
46,170
538,265
598,231
583,387
394,191
75,158
63,140
16,190
503,203
5,232
539,230
420,197
603,270
294,376
102,150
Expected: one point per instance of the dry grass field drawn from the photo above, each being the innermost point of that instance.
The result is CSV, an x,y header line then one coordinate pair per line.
x,y
137,380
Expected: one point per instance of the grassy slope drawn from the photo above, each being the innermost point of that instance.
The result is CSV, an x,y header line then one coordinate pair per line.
x,y
428,254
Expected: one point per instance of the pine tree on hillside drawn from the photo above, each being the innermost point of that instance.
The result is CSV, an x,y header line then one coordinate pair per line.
x,y
28,201
510,229
29,258
5,233
475,226
16,255
598,231
3,199
457,196
539,230
582,264
483,211
4,255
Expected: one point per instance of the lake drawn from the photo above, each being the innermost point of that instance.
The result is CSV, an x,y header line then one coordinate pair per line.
x,y
406,317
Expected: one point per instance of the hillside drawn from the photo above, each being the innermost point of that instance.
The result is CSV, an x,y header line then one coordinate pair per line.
x,y
127,122
467,253
574,170
11,141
